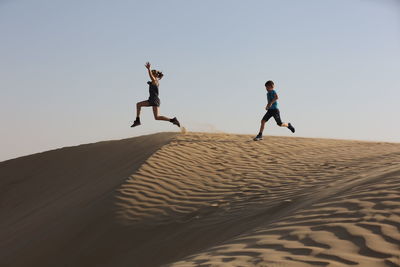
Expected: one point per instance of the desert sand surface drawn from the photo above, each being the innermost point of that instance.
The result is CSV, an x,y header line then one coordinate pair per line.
x,y
201,199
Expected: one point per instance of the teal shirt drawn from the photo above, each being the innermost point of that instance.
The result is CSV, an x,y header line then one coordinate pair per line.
x,y
271,95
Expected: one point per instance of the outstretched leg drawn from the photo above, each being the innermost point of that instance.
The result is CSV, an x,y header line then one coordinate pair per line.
x,y
139,105
157,116
278,120
287,125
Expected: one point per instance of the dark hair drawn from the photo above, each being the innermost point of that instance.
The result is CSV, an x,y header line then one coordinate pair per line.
x,y
160,75
157,74
269,83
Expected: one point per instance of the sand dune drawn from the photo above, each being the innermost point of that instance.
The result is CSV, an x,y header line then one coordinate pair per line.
x,y
201,199
55,206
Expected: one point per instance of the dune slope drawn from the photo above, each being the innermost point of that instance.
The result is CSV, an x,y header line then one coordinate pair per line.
x,y
204,200
53,205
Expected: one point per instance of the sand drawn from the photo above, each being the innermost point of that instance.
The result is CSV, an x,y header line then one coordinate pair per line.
x,y
200,199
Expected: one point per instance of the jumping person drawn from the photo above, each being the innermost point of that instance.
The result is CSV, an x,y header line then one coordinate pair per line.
x,y
153,100
272,111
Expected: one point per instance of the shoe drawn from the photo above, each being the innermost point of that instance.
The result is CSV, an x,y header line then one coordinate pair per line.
x,y
258,137
176,122
136,123
291,127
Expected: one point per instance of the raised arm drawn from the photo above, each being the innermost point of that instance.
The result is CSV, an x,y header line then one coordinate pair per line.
x,y
153,79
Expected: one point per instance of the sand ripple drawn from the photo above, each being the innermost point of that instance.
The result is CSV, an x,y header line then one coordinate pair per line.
x,y
298,201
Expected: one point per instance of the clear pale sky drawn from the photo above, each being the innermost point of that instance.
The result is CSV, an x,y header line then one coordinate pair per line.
x,y
72,71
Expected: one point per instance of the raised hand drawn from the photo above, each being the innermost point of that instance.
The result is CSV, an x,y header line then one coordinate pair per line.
x,y
147,65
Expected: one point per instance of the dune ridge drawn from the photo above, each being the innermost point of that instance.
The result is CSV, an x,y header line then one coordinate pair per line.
x,y
201,199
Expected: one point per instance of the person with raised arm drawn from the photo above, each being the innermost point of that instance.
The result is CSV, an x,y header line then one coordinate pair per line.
x,y
153,100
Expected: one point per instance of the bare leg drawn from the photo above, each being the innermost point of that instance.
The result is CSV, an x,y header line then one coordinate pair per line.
x,y
157,116
262,126
139,105
288,125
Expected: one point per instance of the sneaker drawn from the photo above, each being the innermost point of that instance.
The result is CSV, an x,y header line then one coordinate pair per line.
x,y
258,137
176,122
136,123
291,127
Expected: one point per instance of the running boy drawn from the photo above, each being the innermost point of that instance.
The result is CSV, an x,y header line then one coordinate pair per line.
x,y
272,111
154,100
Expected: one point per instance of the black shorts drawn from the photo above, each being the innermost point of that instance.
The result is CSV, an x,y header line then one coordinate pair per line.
x,y
154,101
273,113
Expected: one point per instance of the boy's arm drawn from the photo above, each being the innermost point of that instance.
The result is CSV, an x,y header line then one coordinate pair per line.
x,y
272,101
